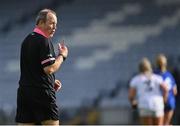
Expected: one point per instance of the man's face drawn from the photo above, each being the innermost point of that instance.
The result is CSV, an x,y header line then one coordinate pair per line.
x,y
50,25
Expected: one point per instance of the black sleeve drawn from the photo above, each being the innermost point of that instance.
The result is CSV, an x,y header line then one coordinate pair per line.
x,y
46,53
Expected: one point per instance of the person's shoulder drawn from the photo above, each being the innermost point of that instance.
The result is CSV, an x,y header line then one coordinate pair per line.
x,y
136,77
168,73
36,36
136,80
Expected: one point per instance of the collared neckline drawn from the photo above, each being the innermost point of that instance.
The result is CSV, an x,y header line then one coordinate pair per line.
x,y
39,31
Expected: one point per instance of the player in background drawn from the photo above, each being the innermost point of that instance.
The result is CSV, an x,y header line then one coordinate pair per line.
x,y
161,62
150,92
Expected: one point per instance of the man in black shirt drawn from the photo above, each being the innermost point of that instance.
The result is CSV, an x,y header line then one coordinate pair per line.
x,y
36,99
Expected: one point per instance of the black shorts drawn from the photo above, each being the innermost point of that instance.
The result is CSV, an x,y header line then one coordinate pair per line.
x,y
36,105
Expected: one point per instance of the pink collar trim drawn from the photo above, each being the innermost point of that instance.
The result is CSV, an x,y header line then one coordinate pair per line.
x,y
39,31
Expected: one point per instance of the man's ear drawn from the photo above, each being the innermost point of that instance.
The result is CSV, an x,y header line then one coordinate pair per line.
x,y
41,23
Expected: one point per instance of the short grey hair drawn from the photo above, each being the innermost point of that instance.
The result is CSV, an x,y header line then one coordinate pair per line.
x,y
42,15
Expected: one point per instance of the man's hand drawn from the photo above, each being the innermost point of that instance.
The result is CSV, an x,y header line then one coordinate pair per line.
x,y
63,50
57,85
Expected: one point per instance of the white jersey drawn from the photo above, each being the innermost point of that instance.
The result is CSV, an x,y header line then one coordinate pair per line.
x,y
149,94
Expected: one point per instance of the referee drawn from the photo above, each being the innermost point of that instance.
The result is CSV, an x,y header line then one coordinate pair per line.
x,y
36,98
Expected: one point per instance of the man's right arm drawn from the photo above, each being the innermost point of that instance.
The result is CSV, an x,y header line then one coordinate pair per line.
x,y
63,53
54,67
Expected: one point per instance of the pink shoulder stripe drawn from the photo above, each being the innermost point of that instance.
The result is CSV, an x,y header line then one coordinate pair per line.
x,y
47,60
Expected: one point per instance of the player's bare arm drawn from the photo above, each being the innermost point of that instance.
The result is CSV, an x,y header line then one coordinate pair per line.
x,y
165,92
175,92
63,53
131,95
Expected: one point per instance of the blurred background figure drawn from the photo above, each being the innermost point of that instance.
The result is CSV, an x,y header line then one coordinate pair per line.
x,y
161,62
148,88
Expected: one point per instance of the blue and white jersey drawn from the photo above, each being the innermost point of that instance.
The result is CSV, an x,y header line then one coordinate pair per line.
x,y
170,82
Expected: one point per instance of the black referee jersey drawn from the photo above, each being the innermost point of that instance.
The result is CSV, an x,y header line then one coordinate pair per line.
x,y
37,52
